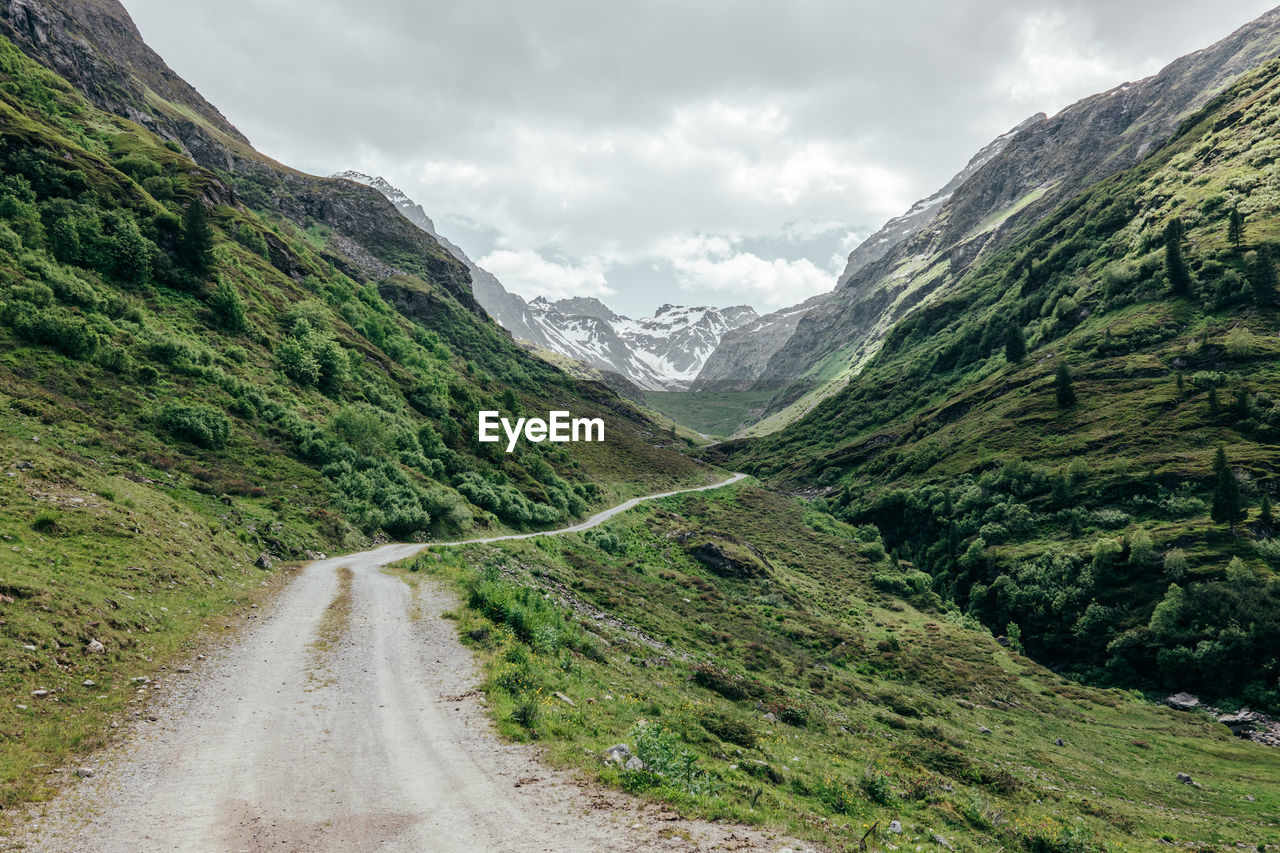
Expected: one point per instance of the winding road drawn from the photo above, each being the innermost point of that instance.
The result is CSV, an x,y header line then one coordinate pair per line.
x,y
346,719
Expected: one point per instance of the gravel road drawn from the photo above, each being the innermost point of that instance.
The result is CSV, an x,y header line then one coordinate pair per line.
x,y
346,719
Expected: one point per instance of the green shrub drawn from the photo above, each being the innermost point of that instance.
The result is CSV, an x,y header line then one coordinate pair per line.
x,y
203,426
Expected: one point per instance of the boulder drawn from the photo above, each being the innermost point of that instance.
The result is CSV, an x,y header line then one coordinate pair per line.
x,y
895,827
1184,778
617,754
264,561
1243,721
634,763
95,647
1182,702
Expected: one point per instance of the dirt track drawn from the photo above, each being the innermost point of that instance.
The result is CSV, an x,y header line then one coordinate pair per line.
x,y
346,719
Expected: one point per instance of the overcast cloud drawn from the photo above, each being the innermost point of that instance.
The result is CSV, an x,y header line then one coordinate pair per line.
x,y
693,152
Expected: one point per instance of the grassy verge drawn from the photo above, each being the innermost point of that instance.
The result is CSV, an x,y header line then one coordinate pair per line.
x,y
810,683
104,583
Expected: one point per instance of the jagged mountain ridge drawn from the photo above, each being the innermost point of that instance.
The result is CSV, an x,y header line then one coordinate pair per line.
x,y
1038,169
662,352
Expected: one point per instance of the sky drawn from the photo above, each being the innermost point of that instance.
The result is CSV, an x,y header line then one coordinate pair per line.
x,y
717,152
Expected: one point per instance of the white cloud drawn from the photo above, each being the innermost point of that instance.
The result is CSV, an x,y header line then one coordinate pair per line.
x,y
529,274
713,264
1057,62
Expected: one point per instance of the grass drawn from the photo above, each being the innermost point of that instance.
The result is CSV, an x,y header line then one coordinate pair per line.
x,y
712,413
793,693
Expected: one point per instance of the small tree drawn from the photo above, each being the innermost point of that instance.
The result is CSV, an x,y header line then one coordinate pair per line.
x,y
1141,548
228,307
1175,266
1264,511
1015,344
1215,407
1228,503
1235,227
1262,277
1063,387
196,249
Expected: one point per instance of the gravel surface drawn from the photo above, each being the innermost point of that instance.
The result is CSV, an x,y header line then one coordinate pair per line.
x,y
347,719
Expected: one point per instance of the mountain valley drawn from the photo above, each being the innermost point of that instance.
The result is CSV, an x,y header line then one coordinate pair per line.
x,y
1004,490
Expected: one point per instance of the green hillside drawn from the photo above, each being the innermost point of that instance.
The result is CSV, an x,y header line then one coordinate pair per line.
x,y
187,382
1069,492
771,665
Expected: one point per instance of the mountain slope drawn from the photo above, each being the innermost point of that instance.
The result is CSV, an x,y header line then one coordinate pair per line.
x,y
662,352
509,309
208,360
1039,169
1069,494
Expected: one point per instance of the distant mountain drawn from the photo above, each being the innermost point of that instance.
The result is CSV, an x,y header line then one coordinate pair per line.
x,y
662,352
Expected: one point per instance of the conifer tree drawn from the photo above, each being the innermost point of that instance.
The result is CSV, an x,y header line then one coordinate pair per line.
x,y
196,250
1175,266
1063,387
1264,511
1235,227
1228,504
1214,406
1015,345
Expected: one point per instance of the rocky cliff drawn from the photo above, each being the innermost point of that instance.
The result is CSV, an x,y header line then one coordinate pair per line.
x,y
1037,169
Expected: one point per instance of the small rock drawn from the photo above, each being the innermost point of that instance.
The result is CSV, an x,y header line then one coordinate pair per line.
x,y
152,717
95,647
770,717
942,842
634,763
88,682
565,699
263,561
984,730
617,754
84,772
1059,742
29,647
141,679
39,694
1184,778
895,827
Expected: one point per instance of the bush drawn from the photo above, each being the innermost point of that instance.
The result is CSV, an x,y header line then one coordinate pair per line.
x,y
664,756
1175,564
203,426
228,307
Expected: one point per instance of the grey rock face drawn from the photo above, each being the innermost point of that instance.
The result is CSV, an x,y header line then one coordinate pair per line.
x,y
1012,184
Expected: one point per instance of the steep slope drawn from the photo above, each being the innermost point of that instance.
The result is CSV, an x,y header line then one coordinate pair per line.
x,y
509,309
665,351
743,355
204,367
1041,439
1039,169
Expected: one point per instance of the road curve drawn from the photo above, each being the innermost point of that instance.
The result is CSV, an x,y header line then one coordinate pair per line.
x,y
346,719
